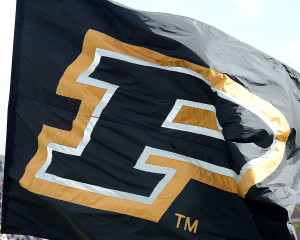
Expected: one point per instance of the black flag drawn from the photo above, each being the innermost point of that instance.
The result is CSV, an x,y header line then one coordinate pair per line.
x,y
125,124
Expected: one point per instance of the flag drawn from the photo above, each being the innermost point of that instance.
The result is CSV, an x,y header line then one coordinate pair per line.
x,y
125,124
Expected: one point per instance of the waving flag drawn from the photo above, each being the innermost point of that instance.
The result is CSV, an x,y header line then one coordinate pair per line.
x,y
137,125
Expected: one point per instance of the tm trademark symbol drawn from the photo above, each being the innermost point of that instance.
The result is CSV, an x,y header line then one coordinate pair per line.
x,y
187,224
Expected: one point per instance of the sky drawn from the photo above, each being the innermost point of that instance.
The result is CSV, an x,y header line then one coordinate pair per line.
x,y
269,25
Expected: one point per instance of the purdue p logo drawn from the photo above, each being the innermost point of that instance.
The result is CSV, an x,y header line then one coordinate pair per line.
x,y
166,171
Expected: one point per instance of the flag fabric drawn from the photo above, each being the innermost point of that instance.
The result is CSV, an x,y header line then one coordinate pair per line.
x,y
125,124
